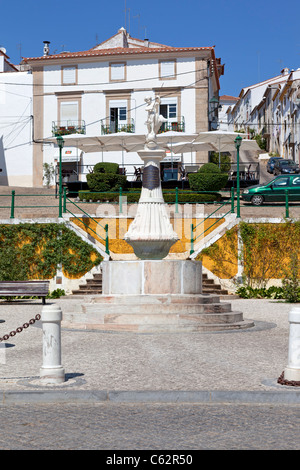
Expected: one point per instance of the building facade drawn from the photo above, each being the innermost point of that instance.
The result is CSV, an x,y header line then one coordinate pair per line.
x,y
102,91
16,165
271,110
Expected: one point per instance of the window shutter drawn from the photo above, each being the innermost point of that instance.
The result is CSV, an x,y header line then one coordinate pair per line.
x,y
69,75
167,69
69,111
117,71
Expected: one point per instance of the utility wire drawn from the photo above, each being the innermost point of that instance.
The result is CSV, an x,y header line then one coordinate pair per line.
x,y
103,83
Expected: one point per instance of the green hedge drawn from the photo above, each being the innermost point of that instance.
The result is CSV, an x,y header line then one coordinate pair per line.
x,y
105,181
132,197
106,167
208,178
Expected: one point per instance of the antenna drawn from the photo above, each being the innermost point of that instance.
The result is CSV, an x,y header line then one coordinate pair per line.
x,y
19,46
139,18
125,16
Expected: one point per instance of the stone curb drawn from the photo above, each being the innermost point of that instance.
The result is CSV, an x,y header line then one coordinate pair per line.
x,y
285,397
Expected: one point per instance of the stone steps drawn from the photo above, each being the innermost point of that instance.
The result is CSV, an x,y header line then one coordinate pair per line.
x,y
94,286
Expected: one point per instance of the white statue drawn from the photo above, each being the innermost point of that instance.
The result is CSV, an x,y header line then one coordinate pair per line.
x,y
154,121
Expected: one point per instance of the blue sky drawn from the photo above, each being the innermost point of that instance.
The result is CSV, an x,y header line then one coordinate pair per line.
x,y
254,40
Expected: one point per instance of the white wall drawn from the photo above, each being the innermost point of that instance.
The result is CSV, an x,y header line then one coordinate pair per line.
x,y
16,128
93,81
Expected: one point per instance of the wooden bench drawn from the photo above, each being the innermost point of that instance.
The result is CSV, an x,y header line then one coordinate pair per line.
x,y
27,288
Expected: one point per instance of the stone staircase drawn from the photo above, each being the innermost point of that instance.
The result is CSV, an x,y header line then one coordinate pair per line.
x,y
91,287
94,286
209,286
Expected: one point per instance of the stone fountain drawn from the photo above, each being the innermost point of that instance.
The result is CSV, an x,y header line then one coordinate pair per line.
x,y
152,293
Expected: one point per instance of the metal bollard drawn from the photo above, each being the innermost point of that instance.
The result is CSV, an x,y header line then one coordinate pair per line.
x,y
292,371
52,371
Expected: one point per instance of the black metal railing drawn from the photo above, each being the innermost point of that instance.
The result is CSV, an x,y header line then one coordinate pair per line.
x,y
68,127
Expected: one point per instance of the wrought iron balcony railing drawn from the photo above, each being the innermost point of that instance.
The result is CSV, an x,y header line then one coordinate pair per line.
x,y
177,126
113,127
67,127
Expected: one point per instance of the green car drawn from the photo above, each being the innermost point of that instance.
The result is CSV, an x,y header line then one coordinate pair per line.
x,y
274,191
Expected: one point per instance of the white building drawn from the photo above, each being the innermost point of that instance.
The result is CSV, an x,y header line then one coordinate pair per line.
x,y
16,163
226,103
102,90
272,109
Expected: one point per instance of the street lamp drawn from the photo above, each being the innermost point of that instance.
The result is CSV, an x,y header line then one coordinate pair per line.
x,y
215,105
238,142
60,143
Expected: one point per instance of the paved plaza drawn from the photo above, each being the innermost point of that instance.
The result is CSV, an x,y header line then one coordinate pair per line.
x,y
232,366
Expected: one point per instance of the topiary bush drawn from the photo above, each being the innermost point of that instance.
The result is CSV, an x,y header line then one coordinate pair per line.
x,y
105,177
106,167
208,178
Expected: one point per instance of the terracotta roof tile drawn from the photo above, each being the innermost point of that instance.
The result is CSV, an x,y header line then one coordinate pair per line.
x,y
117,51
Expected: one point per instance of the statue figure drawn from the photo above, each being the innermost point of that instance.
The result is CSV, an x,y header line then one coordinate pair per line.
x,y
154,121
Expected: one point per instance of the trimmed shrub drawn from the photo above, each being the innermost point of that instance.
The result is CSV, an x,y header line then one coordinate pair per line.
x,y
106,167
105,181
209,168
208,178
132,197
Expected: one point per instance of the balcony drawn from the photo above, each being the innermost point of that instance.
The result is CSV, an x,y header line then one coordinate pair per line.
x,y
177,125
114,127
67,127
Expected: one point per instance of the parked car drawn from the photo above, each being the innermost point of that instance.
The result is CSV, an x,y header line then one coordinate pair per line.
x,y
285,166
274,191
271,163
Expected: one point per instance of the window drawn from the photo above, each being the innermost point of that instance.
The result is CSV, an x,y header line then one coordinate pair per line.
x,y
168,108
281,182
117,71
118,115
69,75
167,69
296,181
69,113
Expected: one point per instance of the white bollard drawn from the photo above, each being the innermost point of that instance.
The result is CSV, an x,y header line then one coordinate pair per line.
x,y
292,371
52,371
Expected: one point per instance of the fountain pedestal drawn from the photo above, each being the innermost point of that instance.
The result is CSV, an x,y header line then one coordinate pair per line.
x,y
153,294
151,234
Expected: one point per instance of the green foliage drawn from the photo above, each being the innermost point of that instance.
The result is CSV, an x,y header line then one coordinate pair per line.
x,y
290,284
209,168
208,178
273,292
225,161
105,177
261,142
56,294
33,251
265,250
106,167
49,173
133,197
105,181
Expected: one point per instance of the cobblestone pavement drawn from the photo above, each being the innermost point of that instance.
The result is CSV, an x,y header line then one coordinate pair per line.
x,y
149,427
150,391
241,360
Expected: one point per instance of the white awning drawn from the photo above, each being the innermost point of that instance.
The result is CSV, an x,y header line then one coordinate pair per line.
x,y
68,154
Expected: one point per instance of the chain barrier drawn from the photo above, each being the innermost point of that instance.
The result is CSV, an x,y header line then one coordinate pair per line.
x,y
21,328
282,381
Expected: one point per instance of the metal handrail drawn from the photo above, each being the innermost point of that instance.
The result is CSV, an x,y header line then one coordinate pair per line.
x,y
106,239
105,227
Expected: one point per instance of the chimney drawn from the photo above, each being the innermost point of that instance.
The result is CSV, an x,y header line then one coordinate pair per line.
x,y
46,48
285,71
146,42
